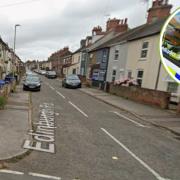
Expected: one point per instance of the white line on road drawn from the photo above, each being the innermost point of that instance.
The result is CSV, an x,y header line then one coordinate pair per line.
x,y
44,176
78,109
60,94
51,87
120,115
158,177
11,172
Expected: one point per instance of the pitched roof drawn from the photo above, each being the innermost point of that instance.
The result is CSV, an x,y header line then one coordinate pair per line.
x,y
139,32
78,50
109,35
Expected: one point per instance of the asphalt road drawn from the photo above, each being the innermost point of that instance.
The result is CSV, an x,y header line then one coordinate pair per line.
x,y
95,141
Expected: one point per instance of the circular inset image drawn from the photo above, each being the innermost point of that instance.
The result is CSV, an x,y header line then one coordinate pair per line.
x,y
170,45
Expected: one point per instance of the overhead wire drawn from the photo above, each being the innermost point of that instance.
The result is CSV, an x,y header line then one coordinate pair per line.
x,y
18,3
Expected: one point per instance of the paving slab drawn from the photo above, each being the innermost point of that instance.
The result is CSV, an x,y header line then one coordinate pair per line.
x,y
13,129
14,124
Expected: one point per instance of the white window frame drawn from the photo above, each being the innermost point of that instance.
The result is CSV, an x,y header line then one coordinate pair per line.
x,y
129,71
116,52
140,78
113,76
144,49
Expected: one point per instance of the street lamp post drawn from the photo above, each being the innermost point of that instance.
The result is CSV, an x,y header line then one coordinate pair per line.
x,y
15,27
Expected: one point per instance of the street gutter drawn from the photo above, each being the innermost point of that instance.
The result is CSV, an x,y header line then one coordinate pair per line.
x,y
134,114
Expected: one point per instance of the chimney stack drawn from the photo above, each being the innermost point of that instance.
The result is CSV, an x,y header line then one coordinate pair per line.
x,y
111,24
118,25
97,31
160,9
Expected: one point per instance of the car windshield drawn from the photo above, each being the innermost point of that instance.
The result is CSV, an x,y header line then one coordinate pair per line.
x,y
72,77
33,79
52,72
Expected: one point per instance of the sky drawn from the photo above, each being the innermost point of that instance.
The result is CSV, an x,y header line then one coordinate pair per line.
x,y
49,25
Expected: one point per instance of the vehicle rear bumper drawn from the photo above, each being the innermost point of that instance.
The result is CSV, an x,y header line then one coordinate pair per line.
x,y
73,86
37,88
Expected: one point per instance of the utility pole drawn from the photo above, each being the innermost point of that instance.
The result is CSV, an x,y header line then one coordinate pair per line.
x,y
14,49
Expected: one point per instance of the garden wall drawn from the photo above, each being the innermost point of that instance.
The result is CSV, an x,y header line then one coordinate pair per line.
x,y
142,95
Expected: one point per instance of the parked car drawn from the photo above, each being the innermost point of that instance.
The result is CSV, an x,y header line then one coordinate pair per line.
x,y
30,74
32,83
71,81
51,74
42,72
175,53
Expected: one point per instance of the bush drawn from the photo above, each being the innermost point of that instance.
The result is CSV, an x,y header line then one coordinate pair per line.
x,y
2,102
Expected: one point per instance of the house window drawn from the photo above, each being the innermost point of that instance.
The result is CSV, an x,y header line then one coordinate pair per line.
x,y
121,74
102,75
140,77
172,87
129,75
104,56
113,75
116,55
144,49
74,71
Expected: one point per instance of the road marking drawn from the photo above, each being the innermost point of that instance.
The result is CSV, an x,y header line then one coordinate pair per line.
x,y
57,92
60,94
115,158
120,115
152,171
57,114
51,87
11,172
44,176
78,109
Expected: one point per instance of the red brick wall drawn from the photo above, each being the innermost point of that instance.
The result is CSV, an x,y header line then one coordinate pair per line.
x,y
142,95
160,9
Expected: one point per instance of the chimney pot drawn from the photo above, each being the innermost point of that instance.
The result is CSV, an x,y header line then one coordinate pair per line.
x,y
125,20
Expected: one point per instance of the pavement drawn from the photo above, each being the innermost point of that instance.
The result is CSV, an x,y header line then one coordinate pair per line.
x,y
14,124
167,119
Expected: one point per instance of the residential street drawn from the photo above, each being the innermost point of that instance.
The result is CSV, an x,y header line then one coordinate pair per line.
x,y
96,141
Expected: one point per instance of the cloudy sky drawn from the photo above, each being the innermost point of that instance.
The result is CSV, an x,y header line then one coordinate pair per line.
x,y
49,25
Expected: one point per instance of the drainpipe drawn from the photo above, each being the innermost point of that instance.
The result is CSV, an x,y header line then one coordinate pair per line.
x,y
157,79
